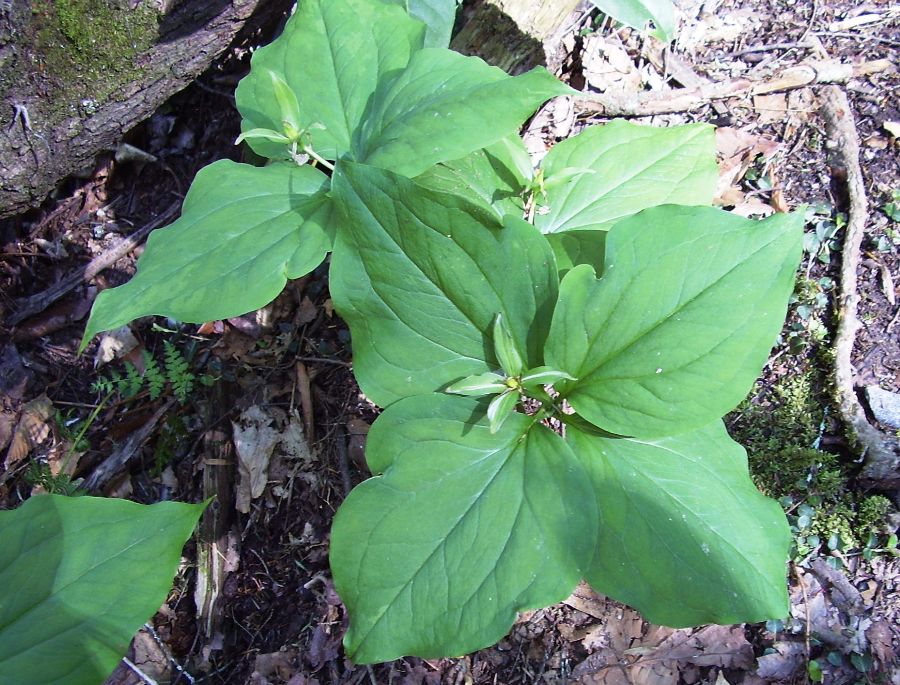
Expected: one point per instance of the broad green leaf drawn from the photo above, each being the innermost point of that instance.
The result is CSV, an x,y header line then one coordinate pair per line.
x,y
437,15
496,176
636,167
679,326
331,55
419,276
686,538
637,13
243,232
445,105
80,576
465,528
578,247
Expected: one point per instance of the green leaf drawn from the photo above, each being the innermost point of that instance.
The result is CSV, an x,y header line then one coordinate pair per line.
x,y
637,13
636,167
243,232
479,385
578,247
419,277
464,529
437,15
495,176
331,55
676,331
81,576
444,106
686,537
505,348
501,408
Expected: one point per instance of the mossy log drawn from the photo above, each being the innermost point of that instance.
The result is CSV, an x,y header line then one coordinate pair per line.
x,y
77,74
514,35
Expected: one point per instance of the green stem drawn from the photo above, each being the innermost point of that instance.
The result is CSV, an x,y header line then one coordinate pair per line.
x,y
321,160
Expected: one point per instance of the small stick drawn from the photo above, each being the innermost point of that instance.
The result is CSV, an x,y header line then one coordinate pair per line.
x,y
115,461
622,103
138,672
305,389
29,306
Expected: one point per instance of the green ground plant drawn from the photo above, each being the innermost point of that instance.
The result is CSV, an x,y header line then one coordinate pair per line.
x,y
553,347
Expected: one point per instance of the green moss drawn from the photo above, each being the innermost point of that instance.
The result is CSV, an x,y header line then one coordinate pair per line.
x,y
105,30
872,515
80,52
840,521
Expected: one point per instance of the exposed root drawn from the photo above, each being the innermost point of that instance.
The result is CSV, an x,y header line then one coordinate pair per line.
x,y
880,452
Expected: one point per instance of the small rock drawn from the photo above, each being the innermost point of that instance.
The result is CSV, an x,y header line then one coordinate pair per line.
x,y
885,405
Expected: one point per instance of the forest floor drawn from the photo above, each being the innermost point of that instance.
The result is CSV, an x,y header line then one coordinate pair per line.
x,y
275,618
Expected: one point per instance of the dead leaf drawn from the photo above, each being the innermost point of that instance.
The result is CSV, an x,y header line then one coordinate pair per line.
x,y
115,344
892,127
784,663
277,665
771,108
737,150
211,328
607,66
254,442
880,640
14,379
31,430
585,600
306,312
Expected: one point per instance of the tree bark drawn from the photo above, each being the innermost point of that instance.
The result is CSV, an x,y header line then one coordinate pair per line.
x,y
75,75
514,35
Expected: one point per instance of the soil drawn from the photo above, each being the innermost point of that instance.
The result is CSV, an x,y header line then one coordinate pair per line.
x,y
277,618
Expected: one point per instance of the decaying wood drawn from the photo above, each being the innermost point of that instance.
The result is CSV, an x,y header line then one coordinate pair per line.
x,y
215,525
65,100
514,35
629,103
33,304
881,452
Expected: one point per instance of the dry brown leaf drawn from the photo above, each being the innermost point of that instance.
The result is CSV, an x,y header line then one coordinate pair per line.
x,y
771,108
115,344
254,442
787,661
607,66
14,379
737,150
585,600
31,430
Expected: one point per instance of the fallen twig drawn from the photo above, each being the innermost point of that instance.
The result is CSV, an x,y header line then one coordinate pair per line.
x,y
629,103
29,306
117,460
881,453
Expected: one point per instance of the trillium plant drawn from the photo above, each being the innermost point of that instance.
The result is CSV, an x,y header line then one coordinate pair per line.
x,y
553,347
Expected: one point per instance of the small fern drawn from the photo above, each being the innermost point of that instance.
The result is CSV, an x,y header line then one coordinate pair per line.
x,y
156,380
175,370
178,372
39,474
132,383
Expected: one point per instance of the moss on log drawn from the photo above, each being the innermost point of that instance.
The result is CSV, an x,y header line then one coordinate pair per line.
x,y
77,74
